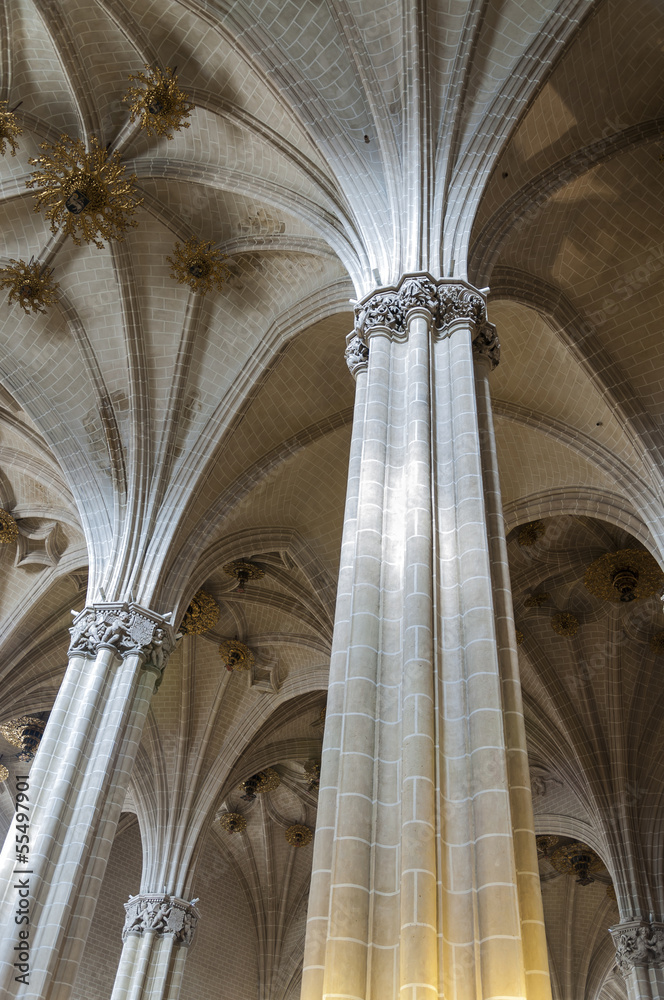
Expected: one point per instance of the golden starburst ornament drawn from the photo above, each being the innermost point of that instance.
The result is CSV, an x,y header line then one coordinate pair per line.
x,y
624,576
233,822
9,129
201,615
577,859
236,655
657,644
259,783
30,284
86,193
299,835
8,528
159,103
198,264
565,624
530,533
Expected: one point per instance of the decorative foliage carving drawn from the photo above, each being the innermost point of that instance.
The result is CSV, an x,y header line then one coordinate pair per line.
x,y
125,629
86,193
520,637
418,293
4,773
445,302
638,943
624,576
160,104
30,284
201,615
9,129
299,835
198,264
233,822
565,624
8,528
459,302
160,913
382,309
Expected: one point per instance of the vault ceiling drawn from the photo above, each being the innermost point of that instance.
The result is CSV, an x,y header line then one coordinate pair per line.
x,y
332,146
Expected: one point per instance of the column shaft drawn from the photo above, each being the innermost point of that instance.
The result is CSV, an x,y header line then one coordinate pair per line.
x,y
78,783
533,934
416,894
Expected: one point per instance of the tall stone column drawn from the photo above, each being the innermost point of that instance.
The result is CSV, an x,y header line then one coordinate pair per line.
x,y
415,891
76,790
158,932
640,957
486,349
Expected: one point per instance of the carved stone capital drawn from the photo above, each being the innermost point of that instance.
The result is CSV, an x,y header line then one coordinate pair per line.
x,y
486,345
160,913
458,302
638,944
124,628
445,301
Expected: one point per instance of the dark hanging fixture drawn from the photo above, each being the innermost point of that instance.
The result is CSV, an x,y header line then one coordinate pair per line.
x,y
577,859
243,572
257,784
25,733
624,576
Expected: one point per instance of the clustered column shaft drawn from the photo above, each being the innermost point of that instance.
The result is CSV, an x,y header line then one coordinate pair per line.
x,y
78,783
421,884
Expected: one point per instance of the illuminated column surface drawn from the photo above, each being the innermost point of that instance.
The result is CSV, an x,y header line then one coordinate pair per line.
x,y
424,869
77,786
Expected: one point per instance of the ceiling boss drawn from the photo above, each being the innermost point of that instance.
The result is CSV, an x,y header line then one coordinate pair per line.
x,y
86,193
160,105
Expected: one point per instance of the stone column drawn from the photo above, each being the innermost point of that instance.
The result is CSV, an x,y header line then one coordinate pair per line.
x,y
640,957
158,932
76,790
415,891
486,350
